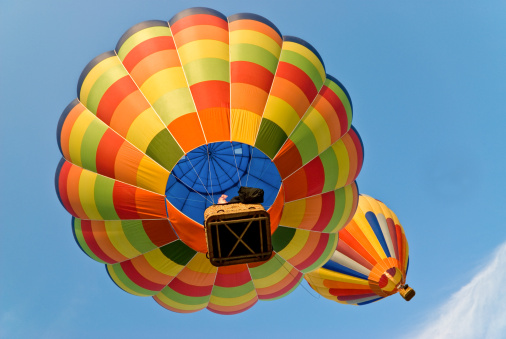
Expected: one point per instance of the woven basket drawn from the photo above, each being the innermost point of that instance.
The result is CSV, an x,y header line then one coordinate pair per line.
x,y
237,233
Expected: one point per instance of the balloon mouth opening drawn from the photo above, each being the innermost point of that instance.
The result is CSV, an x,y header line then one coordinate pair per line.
x,y
207,172
386,282
391,278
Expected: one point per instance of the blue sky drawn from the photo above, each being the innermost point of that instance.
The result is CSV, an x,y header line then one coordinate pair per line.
x,y
427,81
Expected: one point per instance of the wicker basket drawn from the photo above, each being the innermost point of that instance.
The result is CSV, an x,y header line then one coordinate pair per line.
x,y
237,233
407,292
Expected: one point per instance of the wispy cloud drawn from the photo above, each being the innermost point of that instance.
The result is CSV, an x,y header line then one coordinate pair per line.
x,y
477,310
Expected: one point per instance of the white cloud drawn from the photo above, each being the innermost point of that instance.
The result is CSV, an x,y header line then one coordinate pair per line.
x,y
477,310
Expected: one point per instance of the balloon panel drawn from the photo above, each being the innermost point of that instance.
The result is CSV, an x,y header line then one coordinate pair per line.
x,y
255,47
299,77
202,39
149,54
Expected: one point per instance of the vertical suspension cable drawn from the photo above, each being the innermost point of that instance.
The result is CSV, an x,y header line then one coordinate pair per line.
x,y
210,174
189,188
249,165
198,176
235,160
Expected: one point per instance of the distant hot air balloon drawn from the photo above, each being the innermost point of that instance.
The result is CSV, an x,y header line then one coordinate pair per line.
x,y
183,112
370,261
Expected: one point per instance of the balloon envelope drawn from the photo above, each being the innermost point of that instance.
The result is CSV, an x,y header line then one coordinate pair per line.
x,y
184,111
370,261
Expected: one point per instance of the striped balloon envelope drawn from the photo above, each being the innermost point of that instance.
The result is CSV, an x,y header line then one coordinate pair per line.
x,y
370,261
184,111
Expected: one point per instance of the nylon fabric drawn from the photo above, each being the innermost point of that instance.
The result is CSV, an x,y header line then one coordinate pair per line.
x,y
365,266
187,110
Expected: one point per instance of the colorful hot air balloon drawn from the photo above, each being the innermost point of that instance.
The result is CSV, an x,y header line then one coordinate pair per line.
x,y
370,261
184,111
